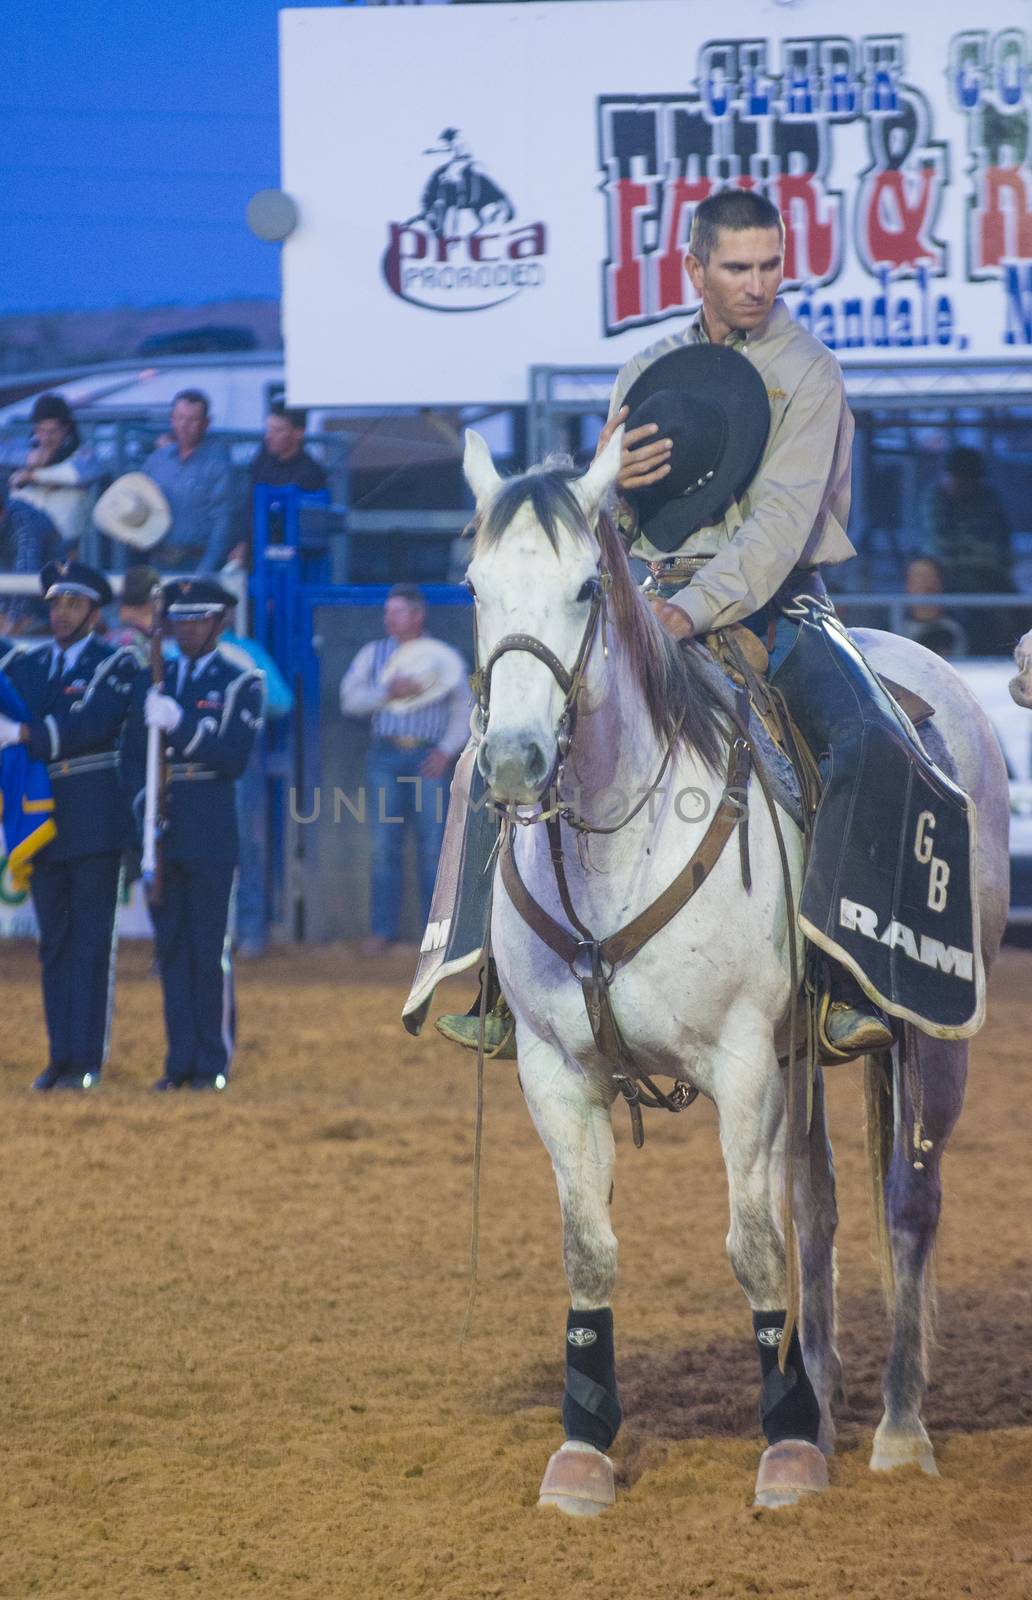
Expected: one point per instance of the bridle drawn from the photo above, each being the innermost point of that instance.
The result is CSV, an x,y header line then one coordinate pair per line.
x,y
570,680
570,683
592,961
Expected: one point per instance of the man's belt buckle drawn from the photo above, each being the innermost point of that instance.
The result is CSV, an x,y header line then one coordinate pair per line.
x,y
407,741
672,574
677,566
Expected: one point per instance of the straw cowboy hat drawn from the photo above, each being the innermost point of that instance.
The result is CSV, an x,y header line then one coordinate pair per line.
x,y
134,511
712,403
435,665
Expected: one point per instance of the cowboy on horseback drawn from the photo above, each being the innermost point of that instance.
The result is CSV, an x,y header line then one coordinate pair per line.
x,y
646,948
734,486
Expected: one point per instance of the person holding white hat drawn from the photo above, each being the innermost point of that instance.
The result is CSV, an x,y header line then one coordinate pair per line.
x,y
194,474
415,689
134,511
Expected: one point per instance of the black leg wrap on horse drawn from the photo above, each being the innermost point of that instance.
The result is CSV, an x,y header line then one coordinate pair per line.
x,y
788,1405
591,1406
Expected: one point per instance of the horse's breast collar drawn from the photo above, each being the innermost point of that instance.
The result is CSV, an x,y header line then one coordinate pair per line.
x,y
593,962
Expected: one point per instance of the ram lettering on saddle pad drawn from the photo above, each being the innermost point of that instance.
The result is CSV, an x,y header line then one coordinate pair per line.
x,y
931,952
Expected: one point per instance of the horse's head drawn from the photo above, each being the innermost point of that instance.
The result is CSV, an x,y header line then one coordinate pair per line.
x,y
540,591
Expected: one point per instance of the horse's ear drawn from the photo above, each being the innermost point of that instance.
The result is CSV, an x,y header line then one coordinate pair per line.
x,y
596,483
480,471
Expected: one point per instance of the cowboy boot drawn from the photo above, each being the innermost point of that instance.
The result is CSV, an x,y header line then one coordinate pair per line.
x,y
499,1023
499,1030
848,1023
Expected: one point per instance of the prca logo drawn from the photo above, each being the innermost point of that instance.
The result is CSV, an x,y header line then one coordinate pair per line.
x,y
464,249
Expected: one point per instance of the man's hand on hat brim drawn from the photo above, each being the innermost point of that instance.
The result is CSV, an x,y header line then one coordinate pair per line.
x,y
677,623
640,463
402,688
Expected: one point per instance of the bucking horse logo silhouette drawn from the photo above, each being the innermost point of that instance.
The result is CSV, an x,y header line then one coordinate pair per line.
x,y
458,185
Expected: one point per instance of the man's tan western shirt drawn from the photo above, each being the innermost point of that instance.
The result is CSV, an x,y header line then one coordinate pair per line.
x,y
794,513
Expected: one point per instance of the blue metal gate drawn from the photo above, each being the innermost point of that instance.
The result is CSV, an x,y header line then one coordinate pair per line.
x,y
316,810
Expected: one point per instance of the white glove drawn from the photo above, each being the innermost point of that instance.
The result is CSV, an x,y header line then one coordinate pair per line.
x,y
10,732
161,711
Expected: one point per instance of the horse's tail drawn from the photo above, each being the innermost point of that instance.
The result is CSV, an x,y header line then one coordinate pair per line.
x,y
879,1104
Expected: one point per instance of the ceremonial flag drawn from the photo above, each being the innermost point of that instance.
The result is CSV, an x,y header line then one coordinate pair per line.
x,y
26,800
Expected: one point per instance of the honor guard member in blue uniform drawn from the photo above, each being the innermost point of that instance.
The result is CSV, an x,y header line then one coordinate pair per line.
x,y
209,713
78,692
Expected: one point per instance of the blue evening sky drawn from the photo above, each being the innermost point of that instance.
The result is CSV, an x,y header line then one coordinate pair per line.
x,y
134,133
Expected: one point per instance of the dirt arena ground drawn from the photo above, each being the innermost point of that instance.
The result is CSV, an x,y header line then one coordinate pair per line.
x,y
230,1361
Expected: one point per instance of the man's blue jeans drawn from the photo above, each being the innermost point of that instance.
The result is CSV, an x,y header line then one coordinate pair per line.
x,y
399,798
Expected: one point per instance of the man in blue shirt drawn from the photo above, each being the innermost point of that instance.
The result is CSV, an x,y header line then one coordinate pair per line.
x,y
195,474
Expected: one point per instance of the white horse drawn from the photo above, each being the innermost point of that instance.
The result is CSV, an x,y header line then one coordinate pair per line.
x,y
706,998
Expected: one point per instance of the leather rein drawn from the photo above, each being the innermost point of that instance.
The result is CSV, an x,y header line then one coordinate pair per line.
x,y
594,962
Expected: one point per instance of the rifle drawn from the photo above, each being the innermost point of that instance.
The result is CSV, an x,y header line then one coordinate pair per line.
x,y
155,792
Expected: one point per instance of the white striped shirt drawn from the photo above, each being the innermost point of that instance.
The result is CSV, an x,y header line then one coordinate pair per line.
x,y
443,723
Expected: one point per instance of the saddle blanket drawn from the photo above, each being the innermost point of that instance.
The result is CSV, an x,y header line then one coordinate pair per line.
x,y
888,890
456,930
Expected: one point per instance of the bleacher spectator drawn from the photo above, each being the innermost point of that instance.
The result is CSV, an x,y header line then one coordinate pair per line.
x,y
136,612
47,500
966,528
929,624
195,475
282,459
280,462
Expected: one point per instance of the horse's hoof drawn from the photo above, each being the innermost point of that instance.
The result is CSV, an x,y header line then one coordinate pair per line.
x,y
578,1480
911,1449
788,1471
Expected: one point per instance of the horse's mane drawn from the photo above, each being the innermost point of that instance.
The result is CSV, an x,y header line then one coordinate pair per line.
x,y
669,674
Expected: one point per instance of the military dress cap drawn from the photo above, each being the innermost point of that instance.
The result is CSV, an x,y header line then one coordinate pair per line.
x,y
711,402
187,598
75,577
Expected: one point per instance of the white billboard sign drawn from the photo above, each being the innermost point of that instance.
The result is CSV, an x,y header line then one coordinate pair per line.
x,y
483,188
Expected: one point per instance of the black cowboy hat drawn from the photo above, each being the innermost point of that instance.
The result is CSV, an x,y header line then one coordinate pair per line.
x,y
712,403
